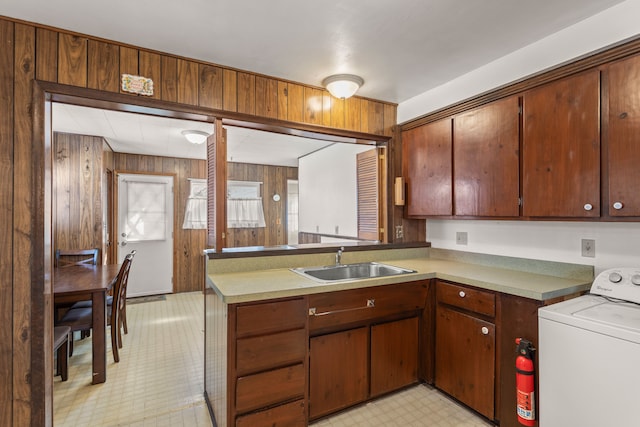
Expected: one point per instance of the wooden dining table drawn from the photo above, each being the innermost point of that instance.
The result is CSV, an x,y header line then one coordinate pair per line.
x,y
89,282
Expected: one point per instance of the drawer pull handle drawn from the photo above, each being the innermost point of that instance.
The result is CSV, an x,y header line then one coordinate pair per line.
x,y
370,304
462,294
485,330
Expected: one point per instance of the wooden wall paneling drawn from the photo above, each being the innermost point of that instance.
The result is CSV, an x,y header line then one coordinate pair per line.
x,y
6,221
283,100
103,66
247,93
313,111
150,66
352,113
389,119
78,187
364,116
169,78
72,60
46,55
229,90
266,97
327,100
28,402
295,105
187,82
337,113
128,65
376,117
210,89
62,191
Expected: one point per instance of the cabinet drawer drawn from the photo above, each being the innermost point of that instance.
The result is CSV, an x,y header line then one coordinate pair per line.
x,y
270,351
269,388
292,414
265,318
466,298
334,309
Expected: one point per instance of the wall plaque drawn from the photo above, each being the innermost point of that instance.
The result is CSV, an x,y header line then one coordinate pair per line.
x,y
137,84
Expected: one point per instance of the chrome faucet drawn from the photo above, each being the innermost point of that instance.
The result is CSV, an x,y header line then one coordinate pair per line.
x,y
339,255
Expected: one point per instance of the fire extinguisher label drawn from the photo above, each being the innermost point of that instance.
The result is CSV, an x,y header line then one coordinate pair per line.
x,y
526,405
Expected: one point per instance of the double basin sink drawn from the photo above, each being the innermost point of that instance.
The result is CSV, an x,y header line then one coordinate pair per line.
x,y
344,272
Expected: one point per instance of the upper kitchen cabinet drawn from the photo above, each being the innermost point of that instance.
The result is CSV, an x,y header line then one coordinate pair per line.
x,y
486,159
427,166
623,137
561,148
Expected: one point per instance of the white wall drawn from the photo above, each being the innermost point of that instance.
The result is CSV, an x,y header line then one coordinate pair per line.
x,y
617,244
328,190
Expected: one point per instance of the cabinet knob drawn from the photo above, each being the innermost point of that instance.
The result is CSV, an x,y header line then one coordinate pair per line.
x,y
462,294
617,205
635,279
588,207
485,330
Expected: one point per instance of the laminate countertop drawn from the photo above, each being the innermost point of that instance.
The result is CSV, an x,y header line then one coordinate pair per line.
x,y
260,278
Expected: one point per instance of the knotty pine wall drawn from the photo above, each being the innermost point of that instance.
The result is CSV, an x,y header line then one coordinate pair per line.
x,y
274,180
188,267
31,53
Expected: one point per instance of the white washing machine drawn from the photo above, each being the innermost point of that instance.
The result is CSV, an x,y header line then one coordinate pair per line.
x,y
589,355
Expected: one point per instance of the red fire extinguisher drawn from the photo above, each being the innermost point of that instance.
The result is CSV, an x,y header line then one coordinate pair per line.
x,y
525,383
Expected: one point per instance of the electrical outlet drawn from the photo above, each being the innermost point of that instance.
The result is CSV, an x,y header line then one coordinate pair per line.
x,y
399,232
589,248
337,230
461,238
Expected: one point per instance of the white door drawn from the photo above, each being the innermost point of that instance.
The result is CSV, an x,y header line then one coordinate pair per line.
x,y
145,224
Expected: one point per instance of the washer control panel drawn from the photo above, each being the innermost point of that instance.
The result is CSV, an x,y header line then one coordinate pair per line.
x,y
621,283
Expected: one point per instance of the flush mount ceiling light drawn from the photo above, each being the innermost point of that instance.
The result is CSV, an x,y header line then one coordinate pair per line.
x,y
195,136
343,85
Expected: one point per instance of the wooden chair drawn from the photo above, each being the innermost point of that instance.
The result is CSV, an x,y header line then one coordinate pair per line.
x,y
123,311
61,347
68,257
80,319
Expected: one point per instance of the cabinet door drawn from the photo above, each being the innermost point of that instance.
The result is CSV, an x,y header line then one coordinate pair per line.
x,y
427,169
394,355
465,359
338,371
561,148
486,158
623,137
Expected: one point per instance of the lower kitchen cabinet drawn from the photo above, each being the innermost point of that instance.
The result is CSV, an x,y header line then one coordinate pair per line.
x,y
465,359
394,355
338,371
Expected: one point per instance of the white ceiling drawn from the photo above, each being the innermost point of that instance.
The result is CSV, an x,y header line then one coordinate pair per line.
x,y
400,47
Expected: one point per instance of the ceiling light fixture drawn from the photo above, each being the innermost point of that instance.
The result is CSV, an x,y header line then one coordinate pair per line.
x,y
195,136
343,85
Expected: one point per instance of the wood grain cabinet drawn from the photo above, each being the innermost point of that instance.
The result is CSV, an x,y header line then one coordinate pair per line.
x,y
427,168
466,346
270,376
623,137
486,158
364,343
561,148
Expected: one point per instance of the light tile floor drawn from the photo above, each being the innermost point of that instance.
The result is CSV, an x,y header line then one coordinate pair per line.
x,y
159,380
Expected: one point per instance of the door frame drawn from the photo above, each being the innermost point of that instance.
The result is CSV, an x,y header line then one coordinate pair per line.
x,y
116,212
43,95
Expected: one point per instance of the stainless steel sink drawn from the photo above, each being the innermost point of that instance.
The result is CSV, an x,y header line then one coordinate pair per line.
x,y
343,272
